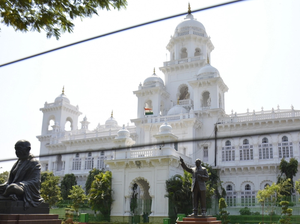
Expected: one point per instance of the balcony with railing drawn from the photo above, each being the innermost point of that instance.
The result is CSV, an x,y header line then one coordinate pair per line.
x,y
183,60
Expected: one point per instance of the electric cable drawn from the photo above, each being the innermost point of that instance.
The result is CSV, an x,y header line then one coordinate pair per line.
x,y
117,31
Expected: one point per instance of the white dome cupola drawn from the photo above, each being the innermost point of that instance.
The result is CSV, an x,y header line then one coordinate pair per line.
x,y
123,133
62,97
190,23
111,122
208,71
165,128
189,42
153,81
177,109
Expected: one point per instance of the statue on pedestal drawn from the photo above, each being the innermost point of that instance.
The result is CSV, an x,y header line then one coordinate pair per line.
x,y
199,176
24,179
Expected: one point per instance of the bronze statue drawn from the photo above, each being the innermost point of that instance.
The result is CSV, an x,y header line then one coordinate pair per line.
x,y
199,176
24,179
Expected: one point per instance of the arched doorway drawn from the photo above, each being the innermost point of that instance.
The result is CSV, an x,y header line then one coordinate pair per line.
x,y
140,201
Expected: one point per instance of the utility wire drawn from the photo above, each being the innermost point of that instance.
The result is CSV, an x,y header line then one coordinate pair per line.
x,y
160,143
117,31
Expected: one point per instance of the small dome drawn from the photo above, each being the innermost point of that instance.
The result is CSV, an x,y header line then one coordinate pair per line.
x,y
62,98
153,80
123,133
111,122
165,128
189,21
208,70
177,109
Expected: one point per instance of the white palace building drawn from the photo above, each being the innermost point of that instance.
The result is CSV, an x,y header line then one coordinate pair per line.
x,y
189,104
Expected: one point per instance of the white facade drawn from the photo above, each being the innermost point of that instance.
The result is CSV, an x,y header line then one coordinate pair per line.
x,y
188,105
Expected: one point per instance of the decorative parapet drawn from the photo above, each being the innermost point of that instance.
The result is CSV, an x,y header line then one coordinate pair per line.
x,y
261,115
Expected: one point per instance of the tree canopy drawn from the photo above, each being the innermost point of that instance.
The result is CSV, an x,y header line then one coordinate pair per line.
x,y
4,177
50,190
66,184
100,195
77,196
53,16
90,179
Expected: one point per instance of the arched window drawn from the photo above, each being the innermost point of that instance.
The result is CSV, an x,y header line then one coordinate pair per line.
x,y
76,162
265,140
100,161
230,196
228,187
148,108
206,101
248,196
245,142
197,52
183,53
89,162
285,148
246,151
50,124
265,149
228,152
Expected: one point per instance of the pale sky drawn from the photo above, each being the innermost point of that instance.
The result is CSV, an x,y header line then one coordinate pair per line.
x,y
256,52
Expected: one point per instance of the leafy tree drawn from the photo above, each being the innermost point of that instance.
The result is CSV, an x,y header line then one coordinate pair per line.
x,y
179,192
100,196
286,213
50,190
45,175
270,196
223,213
289,170
53,16
77,196
66,184
4,177
90,179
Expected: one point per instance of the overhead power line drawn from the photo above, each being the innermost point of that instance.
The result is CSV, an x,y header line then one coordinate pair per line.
x,y
117,31
160,143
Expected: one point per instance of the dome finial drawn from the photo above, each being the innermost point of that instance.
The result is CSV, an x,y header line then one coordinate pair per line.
x,y
112,114
189,9
63,90
154,70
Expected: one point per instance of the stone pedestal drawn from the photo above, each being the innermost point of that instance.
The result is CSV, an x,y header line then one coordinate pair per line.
x,y
29,219
199,220
17,207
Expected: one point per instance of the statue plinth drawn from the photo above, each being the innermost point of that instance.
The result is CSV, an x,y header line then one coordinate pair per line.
x,y
29,219
199,220
17,207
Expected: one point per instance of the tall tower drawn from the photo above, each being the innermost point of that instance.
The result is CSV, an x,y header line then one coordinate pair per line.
x,y
58,114
189,49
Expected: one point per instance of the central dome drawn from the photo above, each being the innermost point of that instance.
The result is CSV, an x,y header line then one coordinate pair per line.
x,y
62,98
189,21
